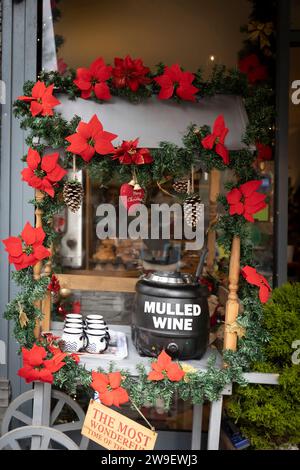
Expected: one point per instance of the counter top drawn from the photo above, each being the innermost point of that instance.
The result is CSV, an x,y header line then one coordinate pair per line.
x,y
133,358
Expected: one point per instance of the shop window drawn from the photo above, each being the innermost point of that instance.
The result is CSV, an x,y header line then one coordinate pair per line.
x,y
294,173
80,251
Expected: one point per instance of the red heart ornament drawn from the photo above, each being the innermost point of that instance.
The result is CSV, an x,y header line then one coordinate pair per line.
x,y
130,197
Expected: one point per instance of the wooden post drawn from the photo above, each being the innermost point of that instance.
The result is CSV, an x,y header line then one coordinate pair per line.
x,y
39,196
46,302
214,190
232,304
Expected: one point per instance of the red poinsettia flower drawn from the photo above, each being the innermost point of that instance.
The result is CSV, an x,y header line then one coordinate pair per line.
x,y
35,356
36,367
128,153
27,249
109,388
42,173
50,339
56,362
245,200
91,138
175,80
61,66
264,152
165,368
41,100
54,349
207,283
54,285
251,66
130,73
94,80
256,279
217,139
31,374
76,306
75,357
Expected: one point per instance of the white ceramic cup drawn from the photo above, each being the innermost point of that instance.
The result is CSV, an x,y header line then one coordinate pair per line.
x,y
97,326
94,317
69,324
97,341
74,316
94,322
73,339
74,321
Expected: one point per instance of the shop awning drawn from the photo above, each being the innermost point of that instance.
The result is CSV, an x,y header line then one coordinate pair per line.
x,y
154,121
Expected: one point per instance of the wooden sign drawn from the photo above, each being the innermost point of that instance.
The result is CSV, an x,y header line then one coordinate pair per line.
x,y
114,431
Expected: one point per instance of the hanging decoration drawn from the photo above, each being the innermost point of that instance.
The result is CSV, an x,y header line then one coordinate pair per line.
x,y
181,185
192,210
131,196
23,319
73,191
73,194
260,32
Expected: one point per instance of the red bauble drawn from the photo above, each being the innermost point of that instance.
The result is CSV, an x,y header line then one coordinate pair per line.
x,y
130,197
61,310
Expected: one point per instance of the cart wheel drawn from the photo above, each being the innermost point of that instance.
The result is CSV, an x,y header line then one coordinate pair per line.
x,y
19,413
36,438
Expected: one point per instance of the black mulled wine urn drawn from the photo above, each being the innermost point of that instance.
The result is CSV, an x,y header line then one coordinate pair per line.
x,y
170,313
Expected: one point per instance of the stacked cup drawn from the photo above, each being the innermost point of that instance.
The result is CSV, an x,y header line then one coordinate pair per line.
x,y
74,338
97,334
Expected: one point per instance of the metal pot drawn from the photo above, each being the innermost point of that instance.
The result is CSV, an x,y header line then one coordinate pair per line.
x,y
170,313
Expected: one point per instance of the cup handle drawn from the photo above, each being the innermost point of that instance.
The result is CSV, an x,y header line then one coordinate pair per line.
x,y
85,341
106,343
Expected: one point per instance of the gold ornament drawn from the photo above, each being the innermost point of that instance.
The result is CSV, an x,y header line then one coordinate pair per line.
x,y
259,32
65,292
23,319
188,369
235,327
133,182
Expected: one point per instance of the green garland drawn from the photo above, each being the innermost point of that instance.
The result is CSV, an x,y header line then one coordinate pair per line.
x,y
169,160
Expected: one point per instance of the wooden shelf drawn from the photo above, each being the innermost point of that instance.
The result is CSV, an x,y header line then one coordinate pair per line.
x,y
94,282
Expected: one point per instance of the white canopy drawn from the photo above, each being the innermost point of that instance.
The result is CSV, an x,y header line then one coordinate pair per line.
x,y
154,120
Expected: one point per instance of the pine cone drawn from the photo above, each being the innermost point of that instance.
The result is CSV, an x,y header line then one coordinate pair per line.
x,y
73,194
192,210
181,185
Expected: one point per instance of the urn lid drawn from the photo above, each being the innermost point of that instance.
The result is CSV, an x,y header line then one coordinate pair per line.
x,y
172,278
